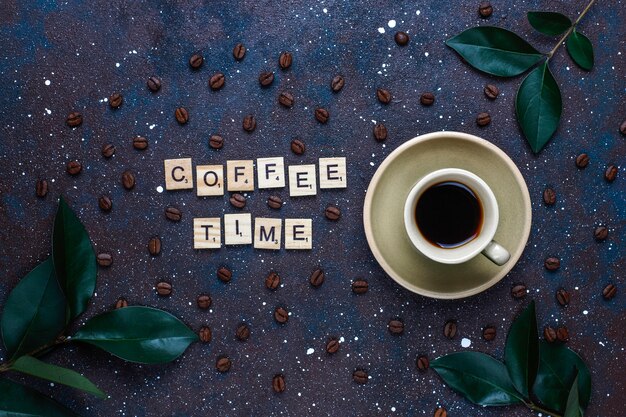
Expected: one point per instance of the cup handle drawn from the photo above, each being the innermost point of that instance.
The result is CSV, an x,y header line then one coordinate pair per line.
x,y
496,253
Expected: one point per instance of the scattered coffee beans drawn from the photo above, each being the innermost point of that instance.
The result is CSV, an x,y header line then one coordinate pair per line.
x,y
483,119
116,100
360,376
380,132
601,233
216,142
332,213
337,83
154,84
249,123
223,364
217,81
422,363
440,412
274,202
401,38
272,281
332,346
196,61
552,263
286,99
205,334
154,246
396,326
73,168
239,51
321,115
489,333
563,297
549,196
297,146
384,96
74,119
281,315
237,200
173,214
266,78
519,291
41,188
128,180
285,60
485,9
427,99
108,150
582,160
317,278
140,143
359,286
562,334
243,332
609,291
121,303
104,259
611,173
204,301
449,329
182,115
278,383
491,91
105,203
549,334
164,289
224,274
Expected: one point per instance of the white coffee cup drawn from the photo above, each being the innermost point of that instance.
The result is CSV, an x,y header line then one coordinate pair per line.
x,y
483,241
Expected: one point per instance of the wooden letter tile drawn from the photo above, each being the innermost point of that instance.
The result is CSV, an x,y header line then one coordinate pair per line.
x,y
240,175
178,174
298,234
267,233
207,233
210,180
238,229
333,173
271,172
302,180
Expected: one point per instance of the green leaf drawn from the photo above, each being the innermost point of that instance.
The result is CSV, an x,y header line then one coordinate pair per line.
x,y
479,377
572,407
538,106
557,368
16,400
580,49
74,260
521,353
549,23
138,334
34,313
495,50
34,367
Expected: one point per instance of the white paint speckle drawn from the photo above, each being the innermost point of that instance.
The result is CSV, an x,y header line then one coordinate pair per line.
x,y
465,342
381,30
325,10
117,65
47,82
418,12
159,189
426,53
310,351
391,23
585,312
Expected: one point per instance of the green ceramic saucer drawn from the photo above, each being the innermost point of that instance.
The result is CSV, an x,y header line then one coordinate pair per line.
x,y
384,205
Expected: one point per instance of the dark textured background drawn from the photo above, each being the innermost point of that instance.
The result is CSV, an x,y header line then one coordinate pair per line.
x,y
89,49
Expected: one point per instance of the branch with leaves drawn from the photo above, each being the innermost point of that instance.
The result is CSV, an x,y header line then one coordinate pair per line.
x,y
545,377
500,52
44,303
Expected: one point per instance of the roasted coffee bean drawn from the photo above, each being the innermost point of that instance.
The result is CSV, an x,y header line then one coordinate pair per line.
x,y
422,363
440,412
582,160
204,301
601,233
549,196
216,142
317,277
609,291
272,281
483,119
384,96
285,60
105,203
489,333
154,246
552,263
164,288
237,200
108,150
249,123
380,132
332,346
395,326
223,364
322,115
278,383
196,61
359,286
73,168
449,329
337,83
491,91
427,99
622,128
563,297
104,259
297,146
519,291
332,213
562,334
128,180
116,100
140,143
286,99
549,334
274,202
611,173
401,38
239,51
182,115
217,81
243,332
485,9
360,376
173,214
281,315
74,119
41,188
121,303
224,274
205,334
266,78
154,84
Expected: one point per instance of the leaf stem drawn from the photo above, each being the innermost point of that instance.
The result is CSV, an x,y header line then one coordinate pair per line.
x,y
41,349
540,409
560,42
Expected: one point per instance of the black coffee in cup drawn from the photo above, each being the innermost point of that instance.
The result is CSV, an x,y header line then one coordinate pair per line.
x,y
449,214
